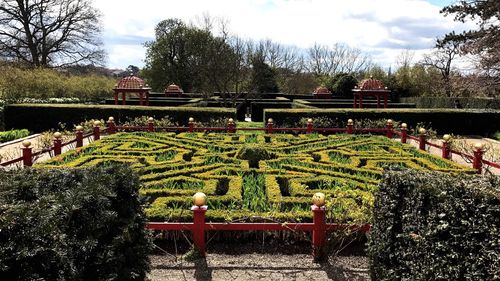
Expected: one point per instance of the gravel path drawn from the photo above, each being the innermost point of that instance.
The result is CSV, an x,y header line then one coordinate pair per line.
x,y
257,262
492,153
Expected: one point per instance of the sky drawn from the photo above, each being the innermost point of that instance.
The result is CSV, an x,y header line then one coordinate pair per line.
x,y
380,28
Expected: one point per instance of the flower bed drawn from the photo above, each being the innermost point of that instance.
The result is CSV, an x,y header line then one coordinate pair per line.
x,y
256,176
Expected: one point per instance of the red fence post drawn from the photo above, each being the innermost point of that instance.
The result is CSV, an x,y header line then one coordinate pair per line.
x,y
319,228
477,162
350,125
111,126
404,132
79,136
97,130
151,126
309,125
270,126
446,151
27,154
191,124
421,138
389,128
199,208
231,126
57,143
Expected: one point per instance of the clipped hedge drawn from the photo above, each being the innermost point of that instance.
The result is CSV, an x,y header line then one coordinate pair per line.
x,y
84,224
456,121
41,117
43,83
255,175
13,135
446,102
432,226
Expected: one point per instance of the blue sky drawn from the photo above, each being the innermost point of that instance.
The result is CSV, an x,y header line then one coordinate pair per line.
x,y
381,28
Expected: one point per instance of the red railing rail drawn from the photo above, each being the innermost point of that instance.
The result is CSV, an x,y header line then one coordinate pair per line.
x,y
318,227
389,131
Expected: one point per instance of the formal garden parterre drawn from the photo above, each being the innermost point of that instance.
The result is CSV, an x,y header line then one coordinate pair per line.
x,y
254,176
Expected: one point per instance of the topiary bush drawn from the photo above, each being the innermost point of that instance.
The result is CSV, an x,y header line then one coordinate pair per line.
x,y
253,153
80,224
433,226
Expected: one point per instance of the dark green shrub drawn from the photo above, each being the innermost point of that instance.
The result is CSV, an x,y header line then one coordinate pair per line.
x,y
48,116
444,121
342,84
433,226
253,153
72,225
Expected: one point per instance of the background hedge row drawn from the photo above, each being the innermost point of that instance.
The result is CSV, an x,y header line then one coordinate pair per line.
x,y
43,83
72,225
434,226
41,117
446,102
444,121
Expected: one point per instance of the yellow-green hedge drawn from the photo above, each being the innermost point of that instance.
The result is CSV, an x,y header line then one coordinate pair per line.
x,y
347,168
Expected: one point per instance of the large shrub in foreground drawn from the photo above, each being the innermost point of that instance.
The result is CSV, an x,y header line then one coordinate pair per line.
x,y
82,224
432,226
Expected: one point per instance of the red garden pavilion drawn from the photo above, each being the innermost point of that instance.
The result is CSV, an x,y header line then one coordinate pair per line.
x,y
132,85
370,87
322,92
173,91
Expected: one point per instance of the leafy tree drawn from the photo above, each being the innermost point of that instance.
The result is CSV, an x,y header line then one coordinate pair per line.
x,y
192,57
484,41
377,73
166,57
46,33
263,77
341,84
132,69
344,85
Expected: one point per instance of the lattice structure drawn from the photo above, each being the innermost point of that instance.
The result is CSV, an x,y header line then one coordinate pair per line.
x,y
226,167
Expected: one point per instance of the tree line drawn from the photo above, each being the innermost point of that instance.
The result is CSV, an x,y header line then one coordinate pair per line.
x,y
207,58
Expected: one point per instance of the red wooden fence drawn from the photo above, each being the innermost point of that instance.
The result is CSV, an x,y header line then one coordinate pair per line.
x,y
318,227
199,227
389,131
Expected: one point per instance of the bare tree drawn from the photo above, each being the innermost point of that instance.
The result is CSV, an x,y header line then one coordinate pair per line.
x,y
340,58
442,59
405,59
319,60
50,32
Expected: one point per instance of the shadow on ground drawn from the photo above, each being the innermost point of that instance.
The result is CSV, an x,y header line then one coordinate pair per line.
x,y
271,260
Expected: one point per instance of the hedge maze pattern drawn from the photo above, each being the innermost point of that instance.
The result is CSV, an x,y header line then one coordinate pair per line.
x,y
172,167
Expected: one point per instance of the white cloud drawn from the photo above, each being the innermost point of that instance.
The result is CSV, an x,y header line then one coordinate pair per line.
x,y
375,26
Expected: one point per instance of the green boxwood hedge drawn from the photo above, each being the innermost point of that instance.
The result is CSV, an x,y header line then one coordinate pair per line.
x,y
456,121
69,224
446,102
41,117
433,226
13,135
